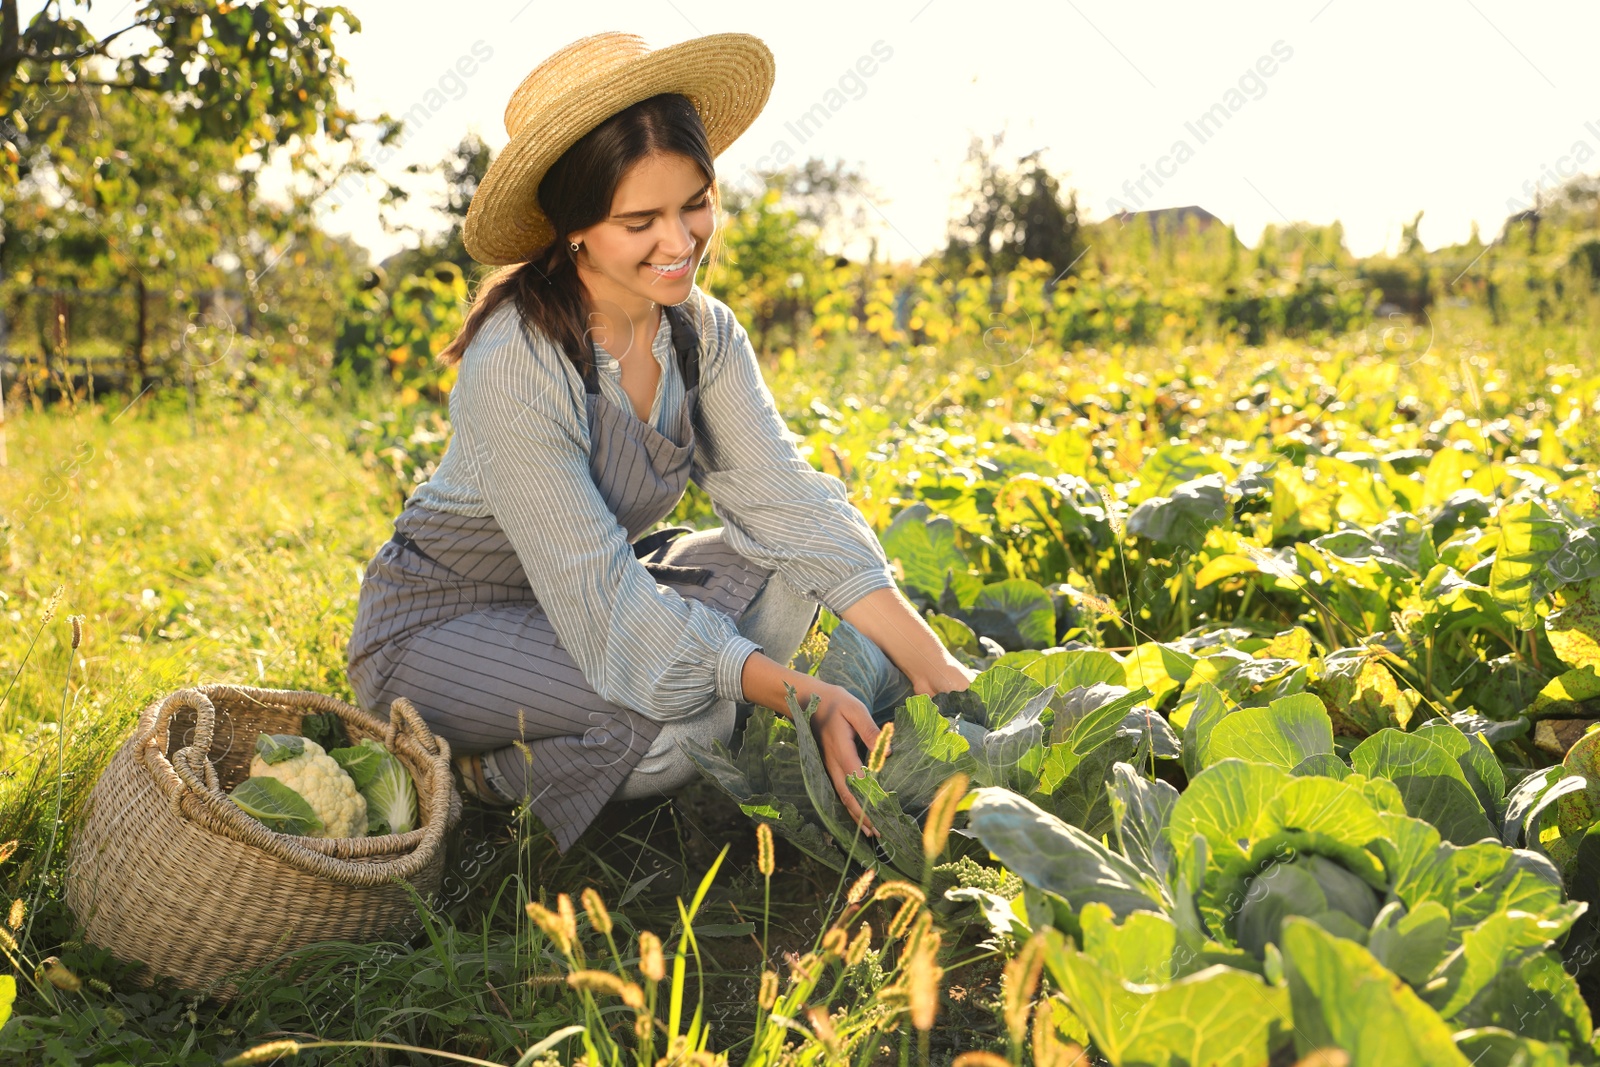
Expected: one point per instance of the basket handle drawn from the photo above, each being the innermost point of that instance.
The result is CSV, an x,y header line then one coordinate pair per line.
x,y
154,737
403,716
205,717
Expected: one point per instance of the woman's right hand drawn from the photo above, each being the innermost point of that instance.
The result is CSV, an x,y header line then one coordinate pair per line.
x,y
838,722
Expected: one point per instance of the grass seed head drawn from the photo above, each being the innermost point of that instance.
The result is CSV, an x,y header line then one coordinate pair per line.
x,y
18,911
569,918
1020,982
768,995
835,942
860,946
550,922
902,920
858,889
56,973
804,968
539,981
8,849
272,1050
674,1054
599,917
1098,604
77,629
764,849
880,749
900,891
1113,516
651,962
921,930
822,1026
53,603
979,1058
922,980
942,813
597,982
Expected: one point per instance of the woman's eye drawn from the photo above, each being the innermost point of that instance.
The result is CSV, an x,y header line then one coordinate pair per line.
x,y
692,207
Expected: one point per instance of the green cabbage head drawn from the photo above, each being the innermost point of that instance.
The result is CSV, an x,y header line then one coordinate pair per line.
x,y
1314,886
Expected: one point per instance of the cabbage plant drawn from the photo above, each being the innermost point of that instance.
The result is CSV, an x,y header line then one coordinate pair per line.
x,y
1052,740
1286,879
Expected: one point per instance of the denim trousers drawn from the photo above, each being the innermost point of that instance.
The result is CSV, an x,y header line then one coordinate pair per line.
x,y
778,619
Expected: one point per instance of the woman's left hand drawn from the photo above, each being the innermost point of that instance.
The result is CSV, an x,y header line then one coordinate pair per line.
x,y
887,619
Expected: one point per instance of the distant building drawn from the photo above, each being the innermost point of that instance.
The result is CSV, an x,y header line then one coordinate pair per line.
x,y
1171,219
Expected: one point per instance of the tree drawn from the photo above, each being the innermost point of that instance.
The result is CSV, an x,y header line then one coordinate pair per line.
x,y
1048,225
831,202
770,267
989,194
1011,212
169,226
462,170
143,153
248,75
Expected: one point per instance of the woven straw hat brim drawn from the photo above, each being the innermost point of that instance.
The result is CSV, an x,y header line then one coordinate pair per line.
x,y
728,77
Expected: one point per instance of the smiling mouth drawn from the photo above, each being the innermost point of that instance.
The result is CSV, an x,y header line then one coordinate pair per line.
x,y
670,268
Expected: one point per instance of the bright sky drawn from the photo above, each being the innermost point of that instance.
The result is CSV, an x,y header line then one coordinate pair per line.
x,y
1351,109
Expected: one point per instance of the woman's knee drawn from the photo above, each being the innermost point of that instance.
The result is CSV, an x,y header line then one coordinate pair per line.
x,y
666,767
779,618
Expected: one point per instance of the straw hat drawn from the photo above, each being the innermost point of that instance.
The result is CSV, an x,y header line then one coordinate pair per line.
x,y
728,77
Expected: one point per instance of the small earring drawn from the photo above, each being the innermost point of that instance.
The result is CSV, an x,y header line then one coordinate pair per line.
x,y
573,246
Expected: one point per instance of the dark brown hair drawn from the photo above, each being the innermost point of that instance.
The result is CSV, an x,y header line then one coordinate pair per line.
x,y
576,192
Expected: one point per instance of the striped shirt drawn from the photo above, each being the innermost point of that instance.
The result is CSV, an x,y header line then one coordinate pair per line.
x,y
520,452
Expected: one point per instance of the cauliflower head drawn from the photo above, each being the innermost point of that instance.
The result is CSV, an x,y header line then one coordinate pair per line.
x,y
304,766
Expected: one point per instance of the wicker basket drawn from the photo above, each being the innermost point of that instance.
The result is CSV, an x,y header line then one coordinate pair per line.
x,y
167,870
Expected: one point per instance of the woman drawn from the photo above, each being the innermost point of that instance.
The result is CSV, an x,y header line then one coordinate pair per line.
x,y
521,606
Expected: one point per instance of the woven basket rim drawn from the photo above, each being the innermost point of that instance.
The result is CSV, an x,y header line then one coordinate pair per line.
x,y
191,786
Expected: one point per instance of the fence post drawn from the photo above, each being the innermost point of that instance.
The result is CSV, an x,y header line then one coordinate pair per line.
x,y
140,335
5,352
58,315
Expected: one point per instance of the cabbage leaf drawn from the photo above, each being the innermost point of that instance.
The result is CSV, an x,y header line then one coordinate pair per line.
x,y
276,806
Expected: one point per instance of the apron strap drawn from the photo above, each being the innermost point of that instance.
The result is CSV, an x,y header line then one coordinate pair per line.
x,y
686,341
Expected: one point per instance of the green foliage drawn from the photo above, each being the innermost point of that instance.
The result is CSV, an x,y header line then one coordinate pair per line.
x,y
276,748
276,805
391,337
383,780
1364,913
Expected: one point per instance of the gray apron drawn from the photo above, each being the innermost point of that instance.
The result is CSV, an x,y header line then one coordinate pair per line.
x,y
446,616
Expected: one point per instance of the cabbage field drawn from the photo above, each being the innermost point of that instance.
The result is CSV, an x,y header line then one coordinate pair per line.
x,y
1327,796
1288,646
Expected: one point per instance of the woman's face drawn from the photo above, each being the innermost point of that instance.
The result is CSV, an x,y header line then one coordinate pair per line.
x,y
660,216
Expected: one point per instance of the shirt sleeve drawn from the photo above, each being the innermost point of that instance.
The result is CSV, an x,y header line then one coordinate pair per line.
x,y
639,644
776,508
